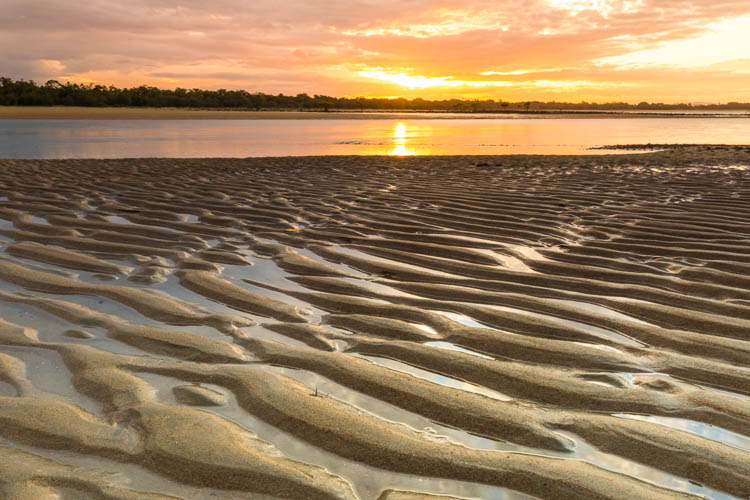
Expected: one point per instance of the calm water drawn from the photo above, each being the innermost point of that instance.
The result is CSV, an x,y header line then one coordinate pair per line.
x,y
243,138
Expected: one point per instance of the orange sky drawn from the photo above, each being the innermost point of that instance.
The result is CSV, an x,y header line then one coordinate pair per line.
x,y
571,50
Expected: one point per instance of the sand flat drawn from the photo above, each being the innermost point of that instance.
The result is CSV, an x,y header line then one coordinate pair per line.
x,y
91,113
377,327
143,113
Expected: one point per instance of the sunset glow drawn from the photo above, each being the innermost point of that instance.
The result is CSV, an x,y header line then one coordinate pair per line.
x,y
422,82
594,50
399,141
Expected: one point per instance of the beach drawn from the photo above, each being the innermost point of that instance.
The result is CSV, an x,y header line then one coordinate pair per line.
x,y
166,113
391,328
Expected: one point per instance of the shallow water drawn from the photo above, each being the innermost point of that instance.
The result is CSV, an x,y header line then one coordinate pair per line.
x,y
435,377
406,136
698,428
600,332
585,451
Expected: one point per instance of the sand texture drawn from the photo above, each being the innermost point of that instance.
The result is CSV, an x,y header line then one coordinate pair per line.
x,y
376,328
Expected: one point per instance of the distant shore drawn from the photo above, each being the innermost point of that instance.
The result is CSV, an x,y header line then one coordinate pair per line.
x,y
137,113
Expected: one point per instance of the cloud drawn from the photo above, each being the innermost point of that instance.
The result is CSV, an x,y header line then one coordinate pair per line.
x,y
329,47
722,41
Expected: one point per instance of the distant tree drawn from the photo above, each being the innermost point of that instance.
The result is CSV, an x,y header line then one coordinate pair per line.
x,y
325,103
53,92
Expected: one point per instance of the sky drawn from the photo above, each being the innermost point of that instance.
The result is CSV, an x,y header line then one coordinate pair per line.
x,y
565,50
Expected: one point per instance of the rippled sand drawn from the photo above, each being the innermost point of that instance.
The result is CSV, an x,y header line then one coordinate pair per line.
x,y
376,328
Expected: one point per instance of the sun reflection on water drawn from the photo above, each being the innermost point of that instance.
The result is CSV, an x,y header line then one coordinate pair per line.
x,y
399,141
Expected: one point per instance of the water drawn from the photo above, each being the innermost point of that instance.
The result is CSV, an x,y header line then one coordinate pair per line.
x,y
698,428
399,136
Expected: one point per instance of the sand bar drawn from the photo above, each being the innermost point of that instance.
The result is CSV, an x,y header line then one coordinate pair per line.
x,y
92,113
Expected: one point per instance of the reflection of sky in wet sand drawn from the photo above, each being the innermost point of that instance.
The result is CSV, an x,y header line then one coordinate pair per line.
x,y
387,411
119,220
367,481
600,332
608,461
464,320
50,375
383,289
363,255
698,428
427,329
341,267
39,220
724,392
454,347
597,309
8,225
147,480
434,377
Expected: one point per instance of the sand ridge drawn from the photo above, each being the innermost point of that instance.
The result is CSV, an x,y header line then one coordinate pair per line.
x,y
571,326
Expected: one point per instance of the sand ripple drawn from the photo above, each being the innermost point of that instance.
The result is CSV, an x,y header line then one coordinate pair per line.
x,y
376,328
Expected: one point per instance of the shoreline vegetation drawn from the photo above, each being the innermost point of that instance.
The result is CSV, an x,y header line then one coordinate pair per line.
x,y
30,95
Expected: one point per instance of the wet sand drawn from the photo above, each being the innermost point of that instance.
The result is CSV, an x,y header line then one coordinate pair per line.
x,y
385,328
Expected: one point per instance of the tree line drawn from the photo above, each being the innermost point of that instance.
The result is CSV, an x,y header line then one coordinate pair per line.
x,y
54,93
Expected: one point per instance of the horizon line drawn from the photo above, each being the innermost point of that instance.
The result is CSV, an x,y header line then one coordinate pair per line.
x,y
91,85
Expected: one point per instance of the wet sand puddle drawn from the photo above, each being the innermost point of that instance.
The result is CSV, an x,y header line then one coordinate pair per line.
x,y
376,328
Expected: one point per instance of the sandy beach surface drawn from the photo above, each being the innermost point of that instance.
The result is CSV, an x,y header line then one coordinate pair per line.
x,y
418,328
92,113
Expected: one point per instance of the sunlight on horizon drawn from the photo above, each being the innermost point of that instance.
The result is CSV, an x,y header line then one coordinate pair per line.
x,y
424,82
548,50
